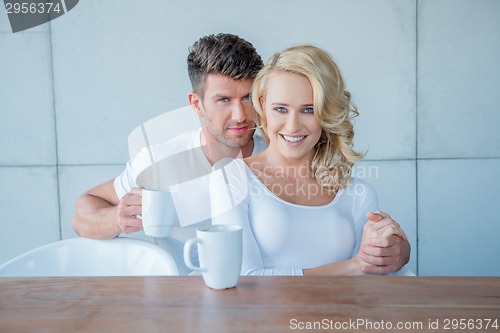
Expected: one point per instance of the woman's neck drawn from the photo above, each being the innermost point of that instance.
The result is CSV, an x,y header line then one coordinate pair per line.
x,y
290,179
281,166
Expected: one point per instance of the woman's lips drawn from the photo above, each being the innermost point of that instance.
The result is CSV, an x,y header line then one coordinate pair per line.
x,y
293,139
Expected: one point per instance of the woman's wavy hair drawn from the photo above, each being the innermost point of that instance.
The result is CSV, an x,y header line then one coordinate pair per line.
x,y
334,157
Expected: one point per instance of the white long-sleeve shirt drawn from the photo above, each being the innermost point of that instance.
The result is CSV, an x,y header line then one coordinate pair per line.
x,y
281,238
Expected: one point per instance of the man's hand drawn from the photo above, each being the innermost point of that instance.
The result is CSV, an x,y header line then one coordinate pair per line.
x,y
128,208
384,246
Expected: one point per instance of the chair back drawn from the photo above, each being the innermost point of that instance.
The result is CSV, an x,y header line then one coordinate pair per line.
x,y
91,257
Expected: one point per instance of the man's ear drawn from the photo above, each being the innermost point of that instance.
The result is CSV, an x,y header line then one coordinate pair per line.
x,y
196,104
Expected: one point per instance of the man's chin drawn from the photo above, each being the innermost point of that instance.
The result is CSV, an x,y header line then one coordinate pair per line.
x,y
238,142
243,141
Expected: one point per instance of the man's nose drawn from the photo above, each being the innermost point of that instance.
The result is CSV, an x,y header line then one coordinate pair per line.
x,y
238,113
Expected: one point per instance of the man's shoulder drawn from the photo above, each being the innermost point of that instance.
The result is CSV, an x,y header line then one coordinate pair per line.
x,y
188,139
184,141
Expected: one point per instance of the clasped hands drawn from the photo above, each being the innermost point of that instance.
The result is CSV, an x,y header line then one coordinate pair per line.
x,y
384,246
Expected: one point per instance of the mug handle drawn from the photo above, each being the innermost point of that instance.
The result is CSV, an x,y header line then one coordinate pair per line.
x,y
187,257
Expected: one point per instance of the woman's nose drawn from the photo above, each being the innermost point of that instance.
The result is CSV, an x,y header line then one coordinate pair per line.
x,y
293,122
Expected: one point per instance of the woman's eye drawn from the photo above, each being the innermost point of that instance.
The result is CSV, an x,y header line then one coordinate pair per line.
x,y
309,110
280,109
247,98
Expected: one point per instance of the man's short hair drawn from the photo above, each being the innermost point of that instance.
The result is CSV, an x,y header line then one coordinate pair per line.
x,y
223,54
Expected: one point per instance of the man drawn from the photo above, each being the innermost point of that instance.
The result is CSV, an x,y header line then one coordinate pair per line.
x,y
221,69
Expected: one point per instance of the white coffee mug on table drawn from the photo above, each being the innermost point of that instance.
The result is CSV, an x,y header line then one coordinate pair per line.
x,y
157,212
220,254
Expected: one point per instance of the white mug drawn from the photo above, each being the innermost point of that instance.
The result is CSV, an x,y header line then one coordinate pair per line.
x,y
157,212
219,252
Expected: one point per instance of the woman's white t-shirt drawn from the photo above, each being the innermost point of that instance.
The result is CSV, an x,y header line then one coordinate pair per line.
x,y
281,238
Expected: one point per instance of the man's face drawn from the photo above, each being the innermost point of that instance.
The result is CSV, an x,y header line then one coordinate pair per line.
x,y
227,110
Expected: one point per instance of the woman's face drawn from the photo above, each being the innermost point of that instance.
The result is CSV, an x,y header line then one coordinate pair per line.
x,y
293,131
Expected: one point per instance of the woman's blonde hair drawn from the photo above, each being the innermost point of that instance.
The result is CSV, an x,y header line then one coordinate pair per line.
x,y
334,157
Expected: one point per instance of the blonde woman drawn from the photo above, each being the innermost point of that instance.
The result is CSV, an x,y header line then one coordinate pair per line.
x,y
302,213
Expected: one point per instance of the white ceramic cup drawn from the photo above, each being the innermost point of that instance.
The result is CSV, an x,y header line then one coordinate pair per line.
x,y
157,209
219,253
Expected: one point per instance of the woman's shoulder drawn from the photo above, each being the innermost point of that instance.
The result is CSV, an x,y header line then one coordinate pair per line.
x,y
360,188
359,182
255,163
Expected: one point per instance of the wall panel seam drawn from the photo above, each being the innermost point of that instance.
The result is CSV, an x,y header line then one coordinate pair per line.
x,y
55,130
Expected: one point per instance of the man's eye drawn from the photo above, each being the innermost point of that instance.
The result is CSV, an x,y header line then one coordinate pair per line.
x,y
309,110
223,99
280,109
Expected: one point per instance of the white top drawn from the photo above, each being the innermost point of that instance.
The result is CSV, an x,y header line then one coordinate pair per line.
x,y
281,238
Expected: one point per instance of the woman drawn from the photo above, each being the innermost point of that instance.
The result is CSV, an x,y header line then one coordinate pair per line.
x,y
301,212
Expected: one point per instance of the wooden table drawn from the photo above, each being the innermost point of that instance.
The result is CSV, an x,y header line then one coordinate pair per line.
x,y
257,304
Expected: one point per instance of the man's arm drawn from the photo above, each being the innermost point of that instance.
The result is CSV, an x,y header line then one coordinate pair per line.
x,y
100,214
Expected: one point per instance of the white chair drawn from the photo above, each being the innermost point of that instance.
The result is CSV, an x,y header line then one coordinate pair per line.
x,y
90,257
